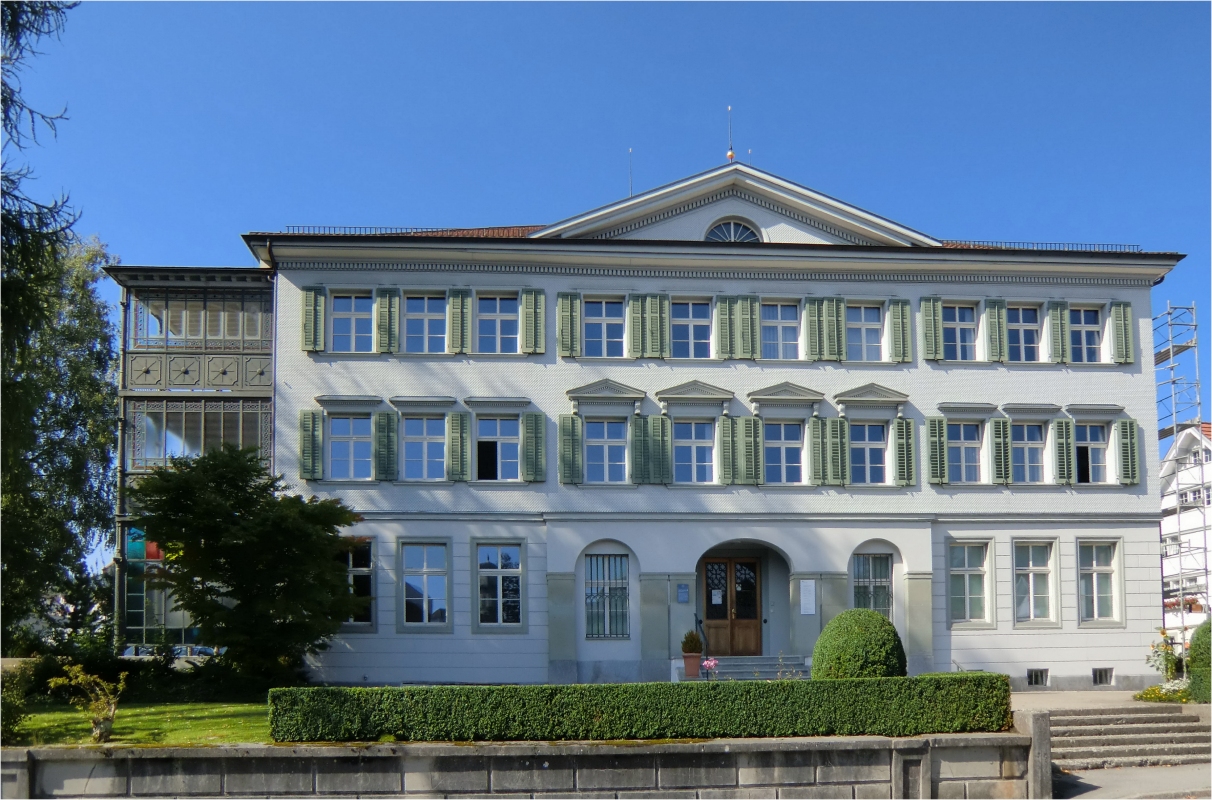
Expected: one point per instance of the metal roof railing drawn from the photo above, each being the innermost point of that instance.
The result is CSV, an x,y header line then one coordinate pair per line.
x,y
356,230
1064,246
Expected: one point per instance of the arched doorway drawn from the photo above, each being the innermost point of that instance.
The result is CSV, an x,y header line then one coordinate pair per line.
x,y
743,601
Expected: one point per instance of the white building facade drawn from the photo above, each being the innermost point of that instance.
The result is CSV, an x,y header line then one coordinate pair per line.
x,y
731,402
1186,482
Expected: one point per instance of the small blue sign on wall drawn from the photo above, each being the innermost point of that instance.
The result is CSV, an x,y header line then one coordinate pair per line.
x,y
683,592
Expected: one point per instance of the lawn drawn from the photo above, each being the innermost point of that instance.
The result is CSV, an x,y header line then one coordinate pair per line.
x,y
153,723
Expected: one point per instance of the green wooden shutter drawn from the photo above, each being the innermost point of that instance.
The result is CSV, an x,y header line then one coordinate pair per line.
x,y
1121,334
661,452
458,311
534,449
311,445
534,311
817,449
812,327
902,330
936,440
905,466
748,327
833,328
1058,321
656,326
751,449
932,328
571,467
387,304
1129,452
1000,429
726,332
458,446
837,468
313,318
640,450
995,322
568,337
635,323
728,450
1062,433
386,436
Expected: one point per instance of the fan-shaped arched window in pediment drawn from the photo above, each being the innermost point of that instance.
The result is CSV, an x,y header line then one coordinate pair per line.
x,y
732,231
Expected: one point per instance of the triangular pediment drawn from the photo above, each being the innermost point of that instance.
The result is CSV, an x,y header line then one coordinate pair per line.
x,y
605,389
694,390
786,392
779,210
871,393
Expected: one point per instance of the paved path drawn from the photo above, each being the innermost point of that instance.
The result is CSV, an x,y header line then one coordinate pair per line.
x,y
1188,780
1046,701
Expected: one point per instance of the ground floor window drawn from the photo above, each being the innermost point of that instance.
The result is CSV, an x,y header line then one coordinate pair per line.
x,y
1096,564
873,583
606,601
359,567
151,615
426,583
500,583
966,563
1032,576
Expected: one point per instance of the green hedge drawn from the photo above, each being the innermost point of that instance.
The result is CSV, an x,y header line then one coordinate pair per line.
x,y
1200,686
939,703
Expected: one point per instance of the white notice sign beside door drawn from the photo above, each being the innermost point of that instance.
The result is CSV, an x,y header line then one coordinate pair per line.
x,y
807,597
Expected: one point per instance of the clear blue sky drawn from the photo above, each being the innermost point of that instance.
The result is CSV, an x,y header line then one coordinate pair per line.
x,y
191,123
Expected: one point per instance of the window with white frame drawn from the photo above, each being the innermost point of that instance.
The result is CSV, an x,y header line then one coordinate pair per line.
x,y
426,578
1091,446
1096,580
780,330
605,451
864,332
352,323
424,448
966,564
497,442
963,452
1085,335
691,329
1022,333
784,452
350,448
1032,579
359,566
1027,453
499,568
424,324
873,583
1171,545
603,329
868,448
959,333
693,452
606,607
497,324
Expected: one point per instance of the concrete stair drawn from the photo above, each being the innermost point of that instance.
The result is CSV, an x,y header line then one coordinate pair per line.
x,y
1129,736
759,668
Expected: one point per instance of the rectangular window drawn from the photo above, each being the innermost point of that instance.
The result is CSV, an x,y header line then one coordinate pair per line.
x,y
150,612
784,452
350,448
1102,676
352,323
963,452
1085,335
497,443
359,566
603,328
1096,568
693,452
605,451
426,584
500,573
873,583
967,582
1022,332
864,331
780,330
1091,446
606,612
424,448
497,321
959,333
230,320
162,429
1032,570
691,330
1027,454
424,324
1037,677
868,444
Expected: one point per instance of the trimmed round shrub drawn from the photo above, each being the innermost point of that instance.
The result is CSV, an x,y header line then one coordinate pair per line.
x,y
1201,647
858,643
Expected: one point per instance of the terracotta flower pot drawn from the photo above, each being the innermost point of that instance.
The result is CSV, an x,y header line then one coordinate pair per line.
x,y
691,662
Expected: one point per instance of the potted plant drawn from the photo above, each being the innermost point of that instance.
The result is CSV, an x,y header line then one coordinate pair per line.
x,y
692,649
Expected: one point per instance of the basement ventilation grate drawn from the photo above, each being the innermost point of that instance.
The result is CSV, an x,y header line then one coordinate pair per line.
x,y
1103,676
1037,677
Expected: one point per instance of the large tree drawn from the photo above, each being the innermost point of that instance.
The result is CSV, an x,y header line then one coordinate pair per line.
x,y
259,571
56,487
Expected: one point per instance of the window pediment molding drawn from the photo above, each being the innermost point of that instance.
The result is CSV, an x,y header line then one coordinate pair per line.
x,y
349,402
1094,410
1031,409
982,410
606,397
696,395
496,403
785,396
871,396
439,404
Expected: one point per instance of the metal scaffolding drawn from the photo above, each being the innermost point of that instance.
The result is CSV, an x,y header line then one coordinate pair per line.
x,y
1179,408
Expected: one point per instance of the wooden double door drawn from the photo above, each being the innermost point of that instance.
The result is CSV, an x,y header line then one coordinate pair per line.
x,y
732,606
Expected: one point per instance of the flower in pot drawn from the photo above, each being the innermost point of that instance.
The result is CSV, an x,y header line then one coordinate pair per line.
x,y
692,647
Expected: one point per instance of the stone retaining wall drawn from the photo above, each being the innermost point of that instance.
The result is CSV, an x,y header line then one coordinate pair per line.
x,y
949,765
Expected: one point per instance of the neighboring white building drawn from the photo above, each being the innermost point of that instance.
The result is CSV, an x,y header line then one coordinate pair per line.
x,y
731,398
1186,483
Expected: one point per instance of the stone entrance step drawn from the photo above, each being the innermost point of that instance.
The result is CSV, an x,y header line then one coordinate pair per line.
x,y
1129,736
760,668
